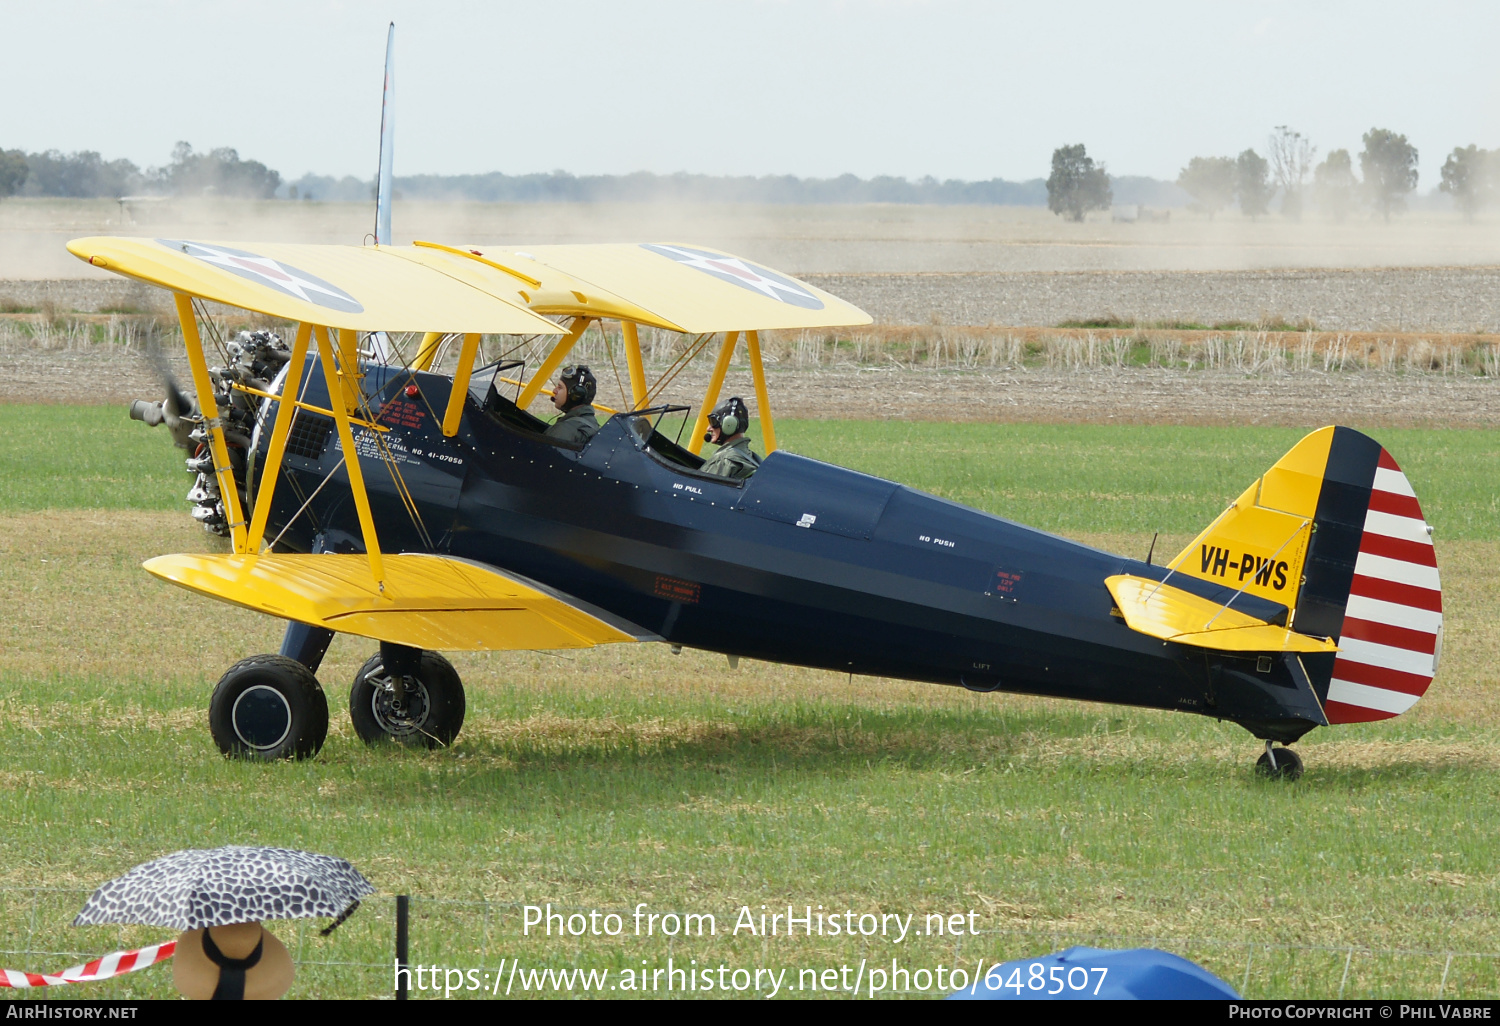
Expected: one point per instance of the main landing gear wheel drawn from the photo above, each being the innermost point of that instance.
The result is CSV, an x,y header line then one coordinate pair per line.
x,y
1279,763
268,707
424,708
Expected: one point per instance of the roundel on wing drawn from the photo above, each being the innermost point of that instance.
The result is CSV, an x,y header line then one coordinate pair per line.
x,y
267,271
742,273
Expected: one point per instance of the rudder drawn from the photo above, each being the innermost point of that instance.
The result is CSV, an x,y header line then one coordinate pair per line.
x,y
1334,532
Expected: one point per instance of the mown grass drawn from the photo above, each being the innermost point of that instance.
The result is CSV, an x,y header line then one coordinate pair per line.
x,y
623,775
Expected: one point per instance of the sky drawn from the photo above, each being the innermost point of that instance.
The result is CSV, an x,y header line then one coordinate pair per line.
x,y
962,89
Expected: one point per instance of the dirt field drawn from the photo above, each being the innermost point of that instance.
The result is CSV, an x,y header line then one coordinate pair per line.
x,y
800,240
922,266
1451,299
1399,299
101,374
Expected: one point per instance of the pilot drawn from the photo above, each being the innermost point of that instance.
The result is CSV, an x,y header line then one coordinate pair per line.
x,y
726,429
574,396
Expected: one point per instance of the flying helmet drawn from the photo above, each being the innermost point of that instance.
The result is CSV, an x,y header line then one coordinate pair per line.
x,y
580,383
731,418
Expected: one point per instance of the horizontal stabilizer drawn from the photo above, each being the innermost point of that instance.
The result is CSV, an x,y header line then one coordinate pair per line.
x,y
432,602
1172,614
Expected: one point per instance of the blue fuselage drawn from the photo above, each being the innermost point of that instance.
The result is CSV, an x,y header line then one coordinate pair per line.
x,y
804,563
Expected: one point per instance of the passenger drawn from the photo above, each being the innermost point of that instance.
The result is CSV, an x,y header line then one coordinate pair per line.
x,y
574,395
726,429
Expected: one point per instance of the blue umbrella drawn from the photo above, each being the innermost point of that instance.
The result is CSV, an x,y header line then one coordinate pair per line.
x,y
1081,973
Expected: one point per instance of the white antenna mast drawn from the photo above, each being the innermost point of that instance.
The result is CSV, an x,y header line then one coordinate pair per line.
x,y
379,344
383,177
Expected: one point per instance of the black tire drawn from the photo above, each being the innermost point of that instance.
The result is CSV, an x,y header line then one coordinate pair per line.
x,y
268,707
1288,765
433,712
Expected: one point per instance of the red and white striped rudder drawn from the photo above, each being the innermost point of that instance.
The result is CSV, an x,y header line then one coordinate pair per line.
x,y
1392,635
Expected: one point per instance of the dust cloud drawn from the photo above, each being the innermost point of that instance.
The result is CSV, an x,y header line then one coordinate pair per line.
x,y
852,239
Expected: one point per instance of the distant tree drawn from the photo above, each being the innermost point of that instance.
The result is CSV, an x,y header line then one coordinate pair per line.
x,y
13,171
84,173
1251,185
1291,156
1469,176
1076,185
1335,185
1389,165
218,172
1211,181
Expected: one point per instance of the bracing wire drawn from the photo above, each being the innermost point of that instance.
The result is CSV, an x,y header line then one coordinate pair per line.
x,y
389,459
677,366
303,508
609,348
214,334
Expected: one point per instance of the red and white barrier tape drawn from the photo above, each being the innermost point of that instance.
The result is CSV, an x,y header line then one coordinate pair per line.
x,y
116,964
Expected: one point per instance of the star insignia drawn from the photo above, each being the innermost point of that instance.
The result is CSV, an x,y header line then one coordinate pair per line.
x,y
267,271
738,272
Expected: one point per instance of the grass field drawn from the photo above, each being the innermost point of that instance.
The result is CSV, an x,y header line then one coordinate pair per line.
x,y
607,778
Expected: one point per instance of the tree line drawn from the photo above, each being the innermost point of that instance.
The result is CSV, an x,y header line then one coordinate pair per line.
x,y
1387,174
219,172
647,187
1077,184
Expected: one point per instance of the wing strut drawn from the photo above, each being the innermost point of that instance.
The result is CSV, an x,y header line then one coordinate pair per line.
x,y
762,394
351,456
285,411
711,394
553,361
630,335
223,472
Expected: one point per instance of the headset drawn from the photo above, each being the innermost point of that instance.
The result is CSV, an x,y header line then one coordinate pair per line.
x,y
730,419
580,383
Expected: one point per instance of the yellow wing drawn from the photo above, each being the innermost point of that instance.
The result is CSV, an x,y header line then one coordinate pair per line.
x,y
434,602
678,287
365,288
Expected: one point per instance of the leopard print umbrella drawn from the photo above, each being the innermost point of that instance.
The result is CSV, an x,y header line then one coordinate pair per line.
x,y
199,888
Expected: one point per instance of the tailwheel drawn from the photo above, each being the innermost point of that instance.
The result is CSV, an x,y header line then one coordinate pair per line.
x,y
1279,763
268,707
409,696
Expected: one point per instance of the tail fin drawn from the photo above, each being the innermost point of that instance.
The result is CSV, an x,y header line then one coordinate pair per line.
x,y
1334,532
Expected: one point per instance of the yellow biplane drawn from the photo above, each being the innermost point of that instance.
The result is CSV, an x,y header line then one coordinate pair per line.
x,y
375,478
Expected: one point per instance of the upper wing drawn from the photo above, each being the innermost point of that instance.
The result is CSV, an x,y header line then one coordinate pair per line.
x,y
678,287
485,289
366,288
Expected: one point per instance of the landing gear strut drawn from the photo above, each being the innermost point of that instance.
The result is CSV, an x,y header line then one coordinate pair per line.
x,y
409,696
1279,763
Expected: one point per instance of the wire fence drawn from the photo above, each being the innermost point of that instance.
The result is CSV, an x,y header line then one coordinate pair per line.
x,y
358,960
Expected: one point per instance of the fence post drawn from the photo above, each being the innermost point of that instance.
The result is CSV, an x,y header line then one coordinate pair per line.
x,y
403,969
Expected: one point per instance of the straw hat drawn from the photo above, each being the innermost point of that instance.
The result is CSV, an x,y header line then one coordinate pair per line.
x,y
197,977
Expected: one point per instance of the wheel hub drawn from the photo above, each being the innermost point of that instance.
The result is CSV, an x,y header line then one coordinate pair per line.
x,y
401,707
262,717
